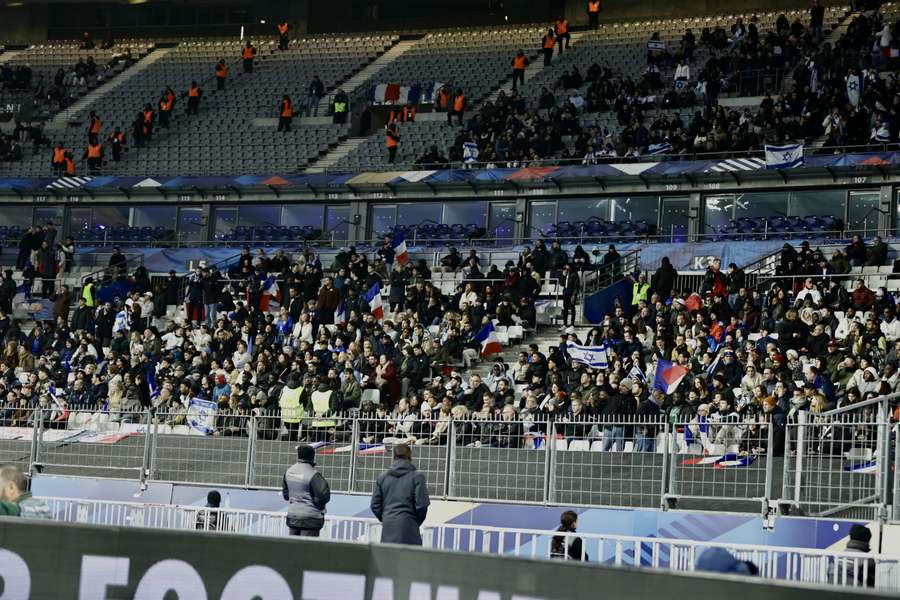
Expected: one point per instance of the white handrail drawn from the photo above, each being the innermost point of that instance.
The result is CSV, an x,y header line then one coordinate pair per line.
x,y
803,565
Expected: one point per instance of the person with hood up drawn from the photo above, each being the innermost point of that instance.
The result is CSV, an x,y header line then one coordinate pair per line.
x,y
862,571
400,500
308,493
208,520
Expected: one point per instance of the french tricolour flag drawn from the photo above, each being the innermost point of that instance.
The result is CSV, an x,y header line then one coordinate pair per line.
x,y
668,376
340,315
373,298
489,342
398,243
271,296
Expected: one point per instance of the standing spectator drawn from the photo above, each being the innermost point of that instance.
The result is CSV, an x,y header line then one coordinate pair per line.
x,y
400,500
877,253
308,493
221,73
314,93
283,36
571,286
816,21
862,572
664,279
856,252
208,520
458,108
594,14
568,547
16,500
562,32
194,94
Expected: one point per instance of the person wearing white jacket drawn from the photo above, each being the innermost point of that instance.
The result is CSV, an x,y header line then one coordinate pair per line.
x,y
890,326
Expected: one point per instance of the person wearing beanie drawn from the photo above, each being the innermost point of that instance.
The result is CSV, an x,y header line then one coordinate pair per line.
x,y
308,493
855,569
208,520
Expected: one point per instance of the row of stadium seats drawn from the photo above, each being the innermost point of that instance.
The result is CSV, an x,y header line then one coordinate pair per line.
x,y
124,233
436,233
272,233
596,229
788,226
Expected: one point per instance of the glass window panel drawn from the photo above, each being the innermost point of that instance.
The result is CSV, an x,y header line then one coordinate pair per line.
x,y
16,216
384,217
419,212
43,214
190,224
718,211
636,209
226,221
301,215
259,215
819,203
111,216
79,220
674,221
465,213
502,222
336,218
154,216
583,209
766,204
541,216
862,213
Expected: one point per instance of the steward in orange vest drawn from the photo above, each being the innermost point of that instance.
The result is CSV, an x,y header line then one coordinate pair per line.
x,y
594,13
286,115
221,74
94,155
247,54
166,104
94,125
547,44
58,162
458,108
117,142
194,93
519,63
392,140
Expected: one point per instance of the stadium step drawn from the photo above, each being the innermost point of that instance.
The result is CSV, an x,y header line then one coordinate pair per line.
x,y
8,56
336,154
61,120
368,73
535,67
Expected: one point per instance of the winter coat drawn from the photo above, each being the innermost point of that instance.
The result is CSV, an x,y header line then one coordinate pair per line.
x,y
400,501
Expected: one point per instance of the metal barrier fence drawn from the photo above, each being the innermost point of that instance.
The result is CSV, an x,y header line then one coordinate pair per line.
x,y
803,565
836,463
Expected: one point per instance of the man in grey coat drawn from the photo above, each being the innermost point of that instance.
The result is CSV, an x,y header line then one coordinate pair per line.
x,y
308,493
400,500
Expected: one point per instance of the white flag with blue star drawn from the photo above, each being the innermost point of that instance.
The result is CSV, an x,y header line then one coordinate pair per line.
x,y
854,87
784,157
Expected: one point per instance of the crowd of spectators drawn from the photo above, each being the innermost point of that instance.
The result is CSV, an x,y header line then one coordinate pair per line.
x,y
668,112
755,357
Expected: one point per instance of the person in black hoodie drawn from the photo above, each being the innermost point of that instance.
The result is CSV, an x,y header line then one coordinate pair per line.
x,y
400,500
540,258
567,547
618,406
664,279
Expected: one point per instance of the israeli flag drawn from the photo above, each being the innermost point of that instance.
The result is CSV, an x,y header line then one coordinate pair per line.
x,y
121,322
784,157
659,148
854,87
201,415
592,356
151,382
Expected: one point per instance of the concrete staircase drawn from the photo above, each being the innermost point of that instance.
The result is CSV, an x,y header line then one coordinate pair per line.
x,y
535,67
61,120
369,72
336,154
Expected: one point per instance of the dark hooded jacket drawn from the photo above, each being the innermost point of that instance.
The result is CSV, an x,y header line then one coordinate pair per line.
x,y
400,501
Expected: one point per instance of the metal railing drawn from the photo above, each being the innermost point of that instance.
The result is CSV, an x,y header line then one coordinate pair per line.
x,y
801,565
629,462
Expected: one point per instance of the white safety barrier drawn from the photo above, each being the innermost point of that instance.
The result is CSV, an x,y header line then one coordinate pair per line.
x,y
802,565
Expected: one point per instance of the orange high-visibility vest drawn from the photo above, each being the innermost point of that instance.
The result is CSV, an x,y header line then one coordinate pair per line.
x,y
594,6
94,150
148,117
282,28
247,53
221,71
70,167
165,105
117,138
459,103
392,138
95,125
59,155
443,99
562,27
194,92
519,63
287,109
549,42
